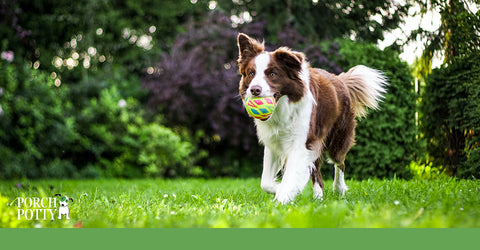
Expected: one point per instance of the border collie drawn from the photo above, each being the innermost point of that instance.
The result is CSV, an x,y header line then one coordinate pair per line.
x,y
315,115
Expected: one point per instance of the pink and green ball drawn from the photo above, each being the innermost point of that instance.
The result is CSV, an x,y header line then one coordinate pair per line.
x,y
260,107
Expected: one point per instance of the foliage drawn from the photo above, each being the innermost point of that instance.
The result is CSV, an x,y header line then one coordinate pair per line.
x,y
426,171
195,86
324,20
35,125
188,203
385,139
114,133
44,134
451,116
111,32
94,124
457,35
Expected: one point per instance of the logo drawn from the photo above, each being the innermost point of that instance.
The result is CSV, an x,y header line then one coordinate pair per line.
x,y
63,210
45,208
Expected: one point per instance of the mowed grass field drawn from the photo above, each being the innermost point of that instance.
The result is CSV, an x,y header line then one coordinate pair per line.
x,y
198,203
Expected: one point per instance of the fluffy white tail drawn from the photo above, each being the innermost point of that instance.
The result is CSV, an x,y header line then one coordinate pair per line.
x,y
366,87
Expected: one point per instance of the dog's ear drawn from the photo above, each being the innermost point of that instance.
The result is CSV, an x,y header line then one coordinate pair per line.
x,y
290,59
248,47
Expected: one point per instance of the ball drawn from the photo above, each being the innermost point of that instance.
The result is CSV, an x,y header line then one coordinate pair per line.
x,y
260,107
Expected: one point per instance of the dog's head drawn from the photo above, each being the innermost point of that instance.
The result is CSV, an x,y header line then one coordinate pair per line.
x,y
276,74
64,200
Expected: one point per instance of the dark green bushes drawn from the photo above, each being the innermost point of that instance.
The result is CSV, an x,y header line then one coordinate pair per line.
x,y
35,125
451,117
50,131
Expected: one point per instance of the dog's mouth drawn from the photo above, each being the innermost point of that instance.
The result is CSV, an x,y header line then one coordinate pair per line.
x,y
276,96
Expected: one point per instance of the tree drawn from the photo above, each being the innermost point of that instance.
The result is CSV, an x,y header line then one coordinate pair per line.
x,y
75,39
451,117
457,36
444,123
365,20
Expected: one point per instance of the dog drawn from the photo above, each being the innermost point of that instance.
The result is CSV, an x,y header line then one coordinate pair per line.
x,y
63,210
314,115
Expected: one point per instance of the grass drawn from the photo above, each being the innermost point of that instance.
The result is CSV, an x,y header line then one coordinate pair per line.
x,y
201,203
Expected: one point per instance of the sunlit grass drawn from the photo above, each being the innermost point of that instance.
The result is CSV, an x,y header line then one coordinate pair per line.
x,y
241,203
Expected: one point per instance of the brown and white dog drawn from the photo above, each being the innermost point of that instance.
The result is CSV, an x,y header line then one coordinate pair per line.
x,y
315,114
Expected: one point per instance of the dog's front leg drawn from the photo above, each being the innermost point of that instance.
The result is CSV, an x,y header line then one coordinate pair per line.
x,y
296,175
271,166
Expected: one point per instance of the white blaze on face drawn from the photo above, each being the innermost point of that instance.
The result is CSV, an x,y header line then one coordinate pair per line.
x,y
261,64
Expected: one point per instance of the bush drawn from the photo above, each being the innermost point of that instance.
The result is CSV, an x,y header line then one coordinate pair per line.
x,y
35,122
100,133
451,117
115,136
385,139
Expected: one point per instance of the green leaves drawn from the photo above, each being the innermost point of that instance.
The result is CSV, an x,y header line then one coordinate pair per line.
x,y
451,112
35,125
102,134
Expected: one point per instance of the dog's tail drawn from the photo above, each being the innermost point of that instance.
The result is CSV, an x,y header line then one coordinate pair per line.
x,y
366,87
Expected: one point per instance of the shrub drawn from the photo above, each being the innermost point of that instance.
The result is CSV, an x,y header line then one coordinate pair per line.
x,y
451,117
100,133
115,136
35,122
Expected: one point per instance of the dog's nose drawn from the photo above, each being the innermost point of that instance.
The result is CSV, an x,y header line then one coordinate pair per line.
x,y
256,90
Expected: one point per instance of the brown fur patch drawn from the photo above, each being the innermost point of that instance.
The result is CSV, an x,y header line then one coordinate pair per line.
x,y
245,69
326,112
248,49
333,118
316,175
286,67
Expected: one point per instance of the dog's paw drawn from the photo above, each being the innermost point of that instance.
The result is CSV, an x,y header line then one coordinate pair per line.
x,y
283,200
317,192
340,188
269,187
284,196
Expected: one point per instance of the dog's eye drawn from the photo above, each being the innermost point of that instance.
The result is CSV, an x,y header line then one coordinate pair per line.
x,y
251,74
272,74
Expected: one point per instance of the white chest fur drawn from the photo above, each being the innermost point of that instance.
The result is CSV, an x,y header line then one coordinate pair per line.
x,y
287,127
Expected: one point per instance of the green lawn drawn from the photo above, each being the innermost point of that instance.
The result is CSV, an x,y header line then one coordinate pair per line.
x,y
241,203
